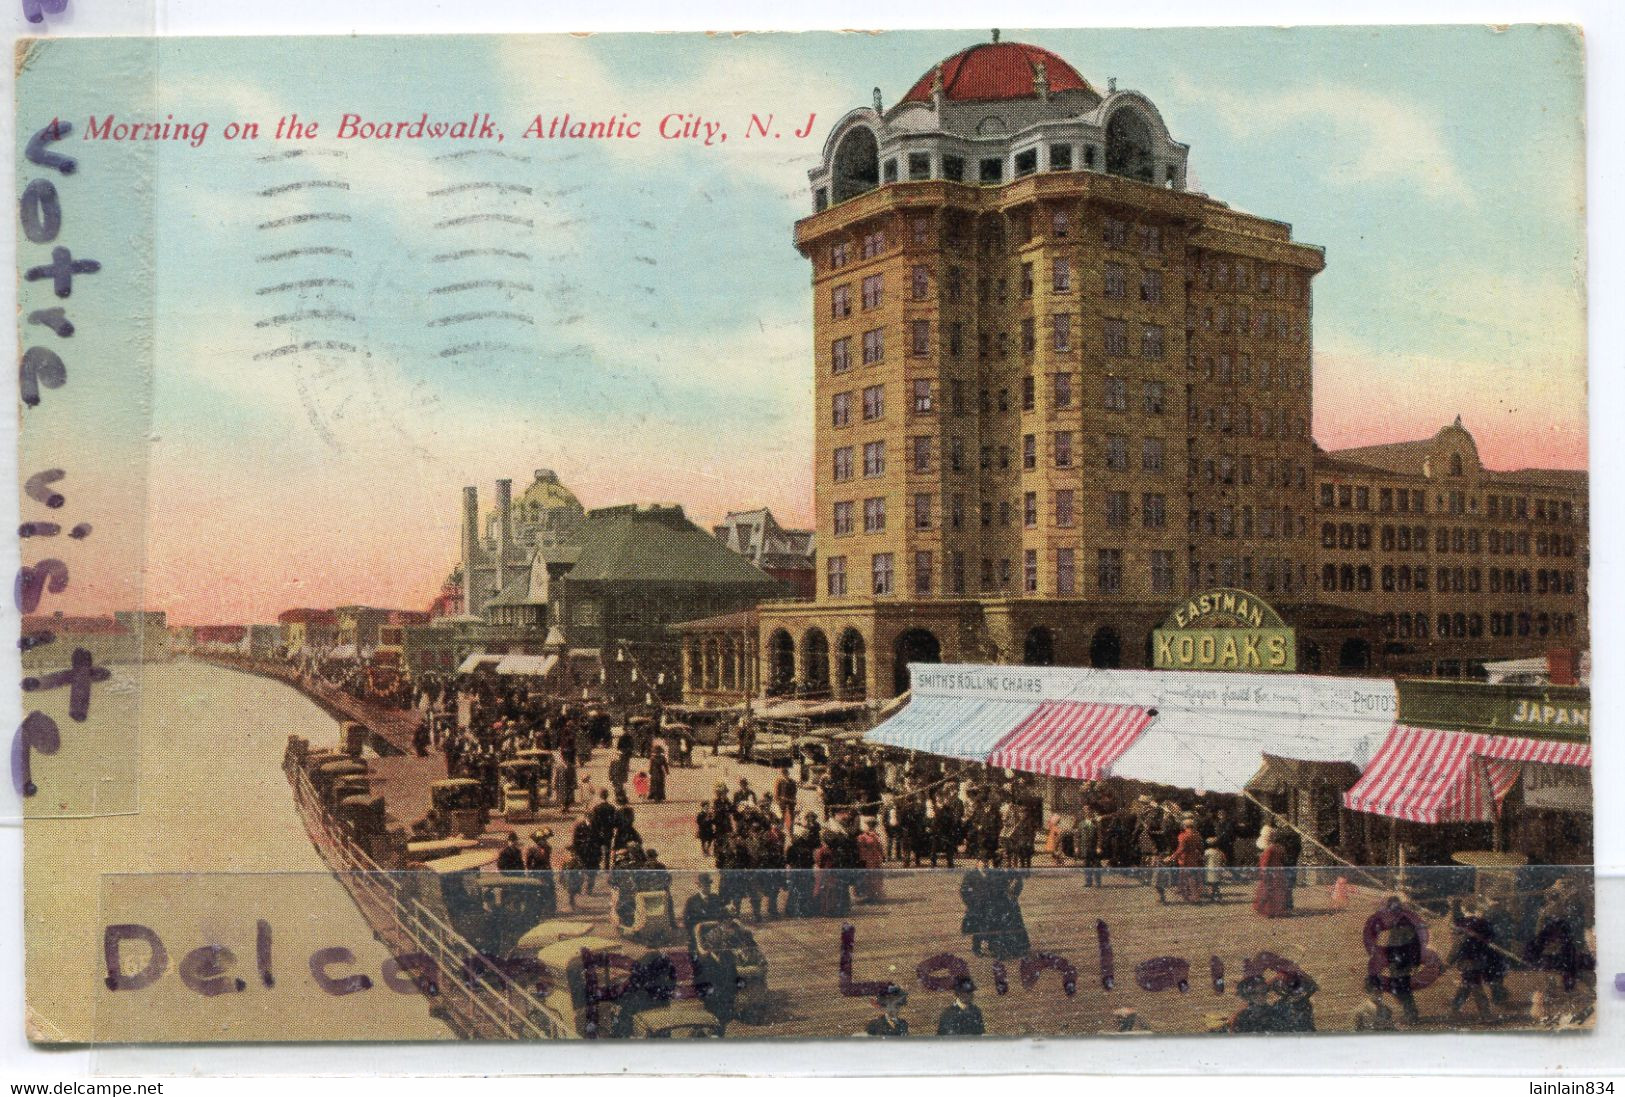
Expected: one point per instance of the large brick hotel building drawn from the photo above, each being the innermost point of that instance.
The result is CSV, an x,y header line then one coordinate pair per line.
x,y
1056,391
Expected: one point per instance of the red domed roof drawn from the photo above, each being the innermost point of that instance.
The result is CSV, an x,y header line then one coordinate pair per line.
x,y
997,70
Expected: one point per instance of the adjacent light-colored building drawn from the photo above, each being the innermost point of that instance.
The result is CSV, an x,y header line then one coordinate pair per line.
x,y
1462,564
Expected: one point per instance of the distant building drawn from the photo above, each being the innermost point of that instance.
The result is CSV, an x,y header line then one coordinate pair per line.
x,y
639,569
151,629
265,641
310,631
545,516
785,554
221,638
108,640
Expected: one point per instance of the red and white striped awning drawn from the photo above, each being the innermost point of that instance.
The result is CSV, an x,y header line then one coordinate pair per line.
x,y
1428,775
1076,739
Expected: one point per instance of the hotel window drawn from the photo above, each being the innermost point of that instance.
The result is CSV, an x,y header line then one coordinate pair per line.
x,y
922,574
874,514
843,518
992,170
1151,239
1109,571
1062,390
873,288
1026,162
1029,393
1151,286
1153,397
1328,577
873,244
874,458
1063,449
987,458
1066,571
836,572
840,409
1116,394
1029,571
1151,454
1063,508
1029,509
838,254
987,515
1363,577
1388,577
888,171
1061,275
922,511
1116,509
1116,281
920,332
1061,328
1004,457
840,301
1029,451
956,455
840,355
1029,339
843,463
922,453
1114,338
1162,571
956,512
1114,232
1004,512
919,167
953,168
1026,281
874,402
919,283
1116,452
874,346
882,573
923,404
957,572
1153,510
1362,498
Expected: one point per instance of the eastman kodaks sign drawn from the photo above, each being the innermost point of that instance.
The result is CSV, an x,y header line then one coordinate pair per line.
x,y
1224,629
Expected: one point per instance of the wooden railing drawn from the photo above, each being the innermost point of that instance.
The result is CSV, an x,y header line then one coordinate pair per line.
x,y
475,1008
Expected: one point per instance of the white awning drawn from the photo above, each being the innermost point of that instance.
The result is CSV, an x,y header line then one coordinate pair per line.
x,y
1205,731
954,727
537,665
473,662
1213,734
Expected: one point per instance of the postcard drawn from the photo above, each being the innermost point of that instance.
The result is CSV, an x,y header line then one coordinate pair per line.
x,y
939,534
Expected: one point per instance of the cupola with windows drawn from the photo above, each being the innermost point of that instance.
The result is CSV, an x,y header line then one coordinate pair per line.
x,y
994,113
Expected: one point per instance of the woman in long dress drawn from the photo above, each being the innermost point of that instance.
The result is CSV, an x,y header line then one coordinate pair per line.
x,y
871,856
830,895
1188,859
1269,897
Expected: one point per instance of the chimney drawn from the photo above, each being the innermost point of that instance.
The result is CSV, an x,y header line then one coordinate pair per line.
x,y
504,530
472,603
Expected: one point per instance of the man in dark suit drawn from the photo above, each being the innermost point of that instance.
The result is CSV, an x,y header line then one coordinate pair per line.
x,y
962,1017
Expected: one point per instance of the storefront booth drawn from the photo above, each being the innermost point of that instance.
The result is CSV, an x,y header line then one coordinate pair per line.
x,y
1472,769
1290,742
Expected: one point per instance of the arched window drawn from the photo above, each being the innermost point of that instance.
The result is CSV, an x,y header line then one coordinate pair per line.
x,y
1128,147
1455,464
